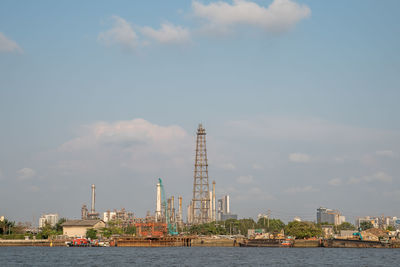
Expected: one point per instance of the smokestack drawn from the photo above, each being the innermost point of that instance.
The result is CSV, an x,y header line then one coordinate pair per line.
x,y
189,213
180,209
214,212
210,206
172,209
93,199
158,203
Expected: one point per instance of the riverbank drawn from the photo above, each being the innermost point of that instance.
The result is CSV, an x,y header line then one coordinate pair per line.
x,y
213,242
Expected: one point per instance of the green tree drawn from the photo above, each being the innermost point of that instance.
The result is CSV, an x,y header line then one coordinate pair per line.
x,y
91,233
244,225
212,228
366,225
274,225
6,227
390,228
344,226
130,230
302,230
46,231
58,227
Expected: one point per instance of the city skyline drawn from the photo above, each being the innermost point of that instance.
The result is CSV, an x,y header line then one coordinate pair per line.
x,y
300,109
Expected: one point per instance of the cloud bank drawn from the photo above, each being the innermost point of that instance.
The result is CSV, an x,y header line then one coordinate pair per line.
x,y
121,34
8,46
299,157
124,35
279,16
167,34
26,173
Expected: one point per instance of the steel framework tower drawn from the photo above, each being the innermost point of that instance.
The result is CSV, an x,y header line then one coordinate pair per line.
x,y
200,208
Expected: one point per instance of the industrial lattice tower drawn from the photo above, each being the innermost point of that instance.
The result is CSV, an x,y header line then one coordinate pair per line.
x,y
200,206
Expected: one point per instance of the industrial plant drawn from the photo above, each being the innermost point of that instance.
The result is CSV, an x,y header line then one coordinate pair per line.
x,y
166,226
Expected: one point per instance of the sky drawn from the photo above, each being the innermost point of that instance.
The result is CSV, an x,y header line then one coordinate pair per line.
x,y
299,99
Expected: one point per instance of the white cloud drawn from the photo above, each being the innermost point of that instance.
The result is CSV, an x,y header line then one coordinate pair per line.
x,y
8,45
126,133
386,153
377,177
245,179
257,166
279,16
135,144
26,173
335,182
167,34
304,189
299,157
228,166
121,34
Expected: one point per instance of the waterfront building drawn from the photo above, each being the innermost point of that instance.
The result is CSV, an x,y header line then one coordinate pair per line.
x,y
325,215
78,228
51,219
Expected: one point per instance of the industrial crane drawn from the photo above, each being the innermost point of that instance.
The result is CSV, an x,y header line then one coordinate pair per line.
x,y
171,228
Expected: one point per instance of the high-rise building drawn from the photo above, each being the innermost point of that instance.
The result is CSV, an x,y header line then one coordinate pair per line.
x,y
325,215
50,219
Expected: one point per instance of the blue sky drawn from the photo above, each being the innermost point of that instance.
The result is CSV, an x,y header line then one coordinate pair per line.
x,y
300,104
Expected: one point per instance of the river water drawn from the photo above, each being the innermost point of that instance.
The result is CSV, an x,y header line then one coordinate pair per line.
x,y
197,256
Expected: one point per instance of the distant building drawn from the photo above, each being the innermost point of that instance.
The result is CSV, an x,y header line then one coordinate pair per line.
x,y
78,228
251,233
325,215
373,220
379,222
51,219
346,234
109,216
123,217
223,209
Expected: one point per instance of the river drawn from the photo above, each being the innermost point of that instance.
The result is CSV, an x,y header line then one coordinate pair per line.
x,y
197,256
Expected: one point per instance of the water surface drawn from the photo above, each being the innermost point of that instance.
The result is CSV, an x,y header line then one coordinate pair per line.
x,y
197,256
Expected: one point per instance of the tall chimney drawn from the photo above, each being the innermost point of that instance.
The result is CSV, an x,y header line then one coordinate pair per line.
x,y
180,209
93,199
214,211
158,203
172,214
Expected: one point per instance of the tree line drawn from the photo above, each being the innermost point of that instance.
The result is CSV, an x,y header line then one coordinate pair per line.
x,y
296,229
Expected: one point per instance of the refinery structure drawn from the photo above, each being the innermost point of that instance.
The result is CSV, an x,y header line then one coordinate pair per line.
x,y
203,207
168,218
